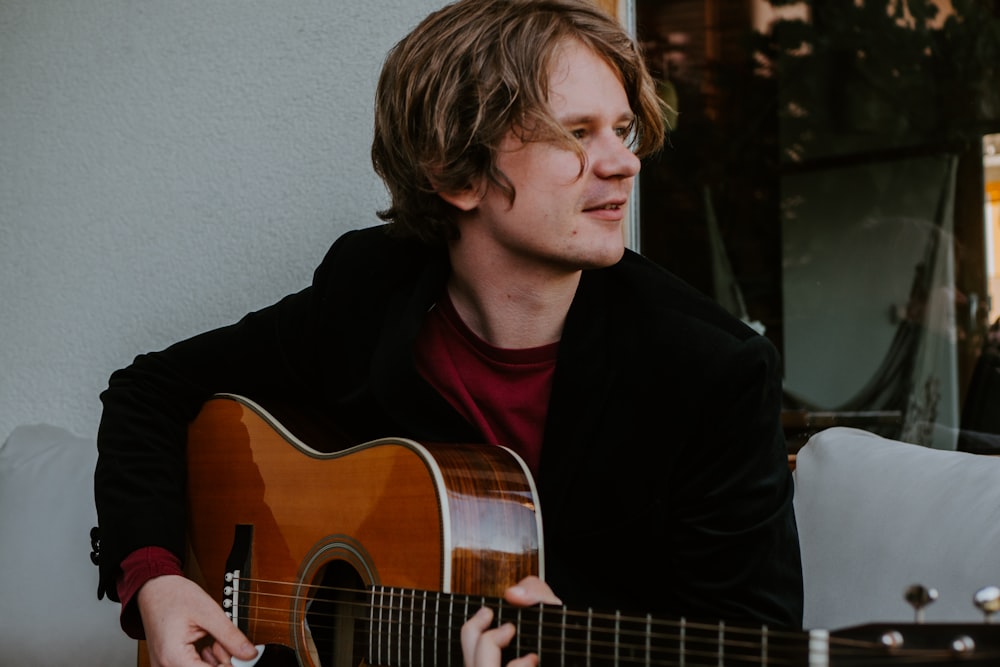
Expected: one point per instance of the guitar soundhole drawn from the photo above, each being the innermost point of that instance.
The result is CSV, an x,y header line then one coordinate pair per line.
x,y
336,605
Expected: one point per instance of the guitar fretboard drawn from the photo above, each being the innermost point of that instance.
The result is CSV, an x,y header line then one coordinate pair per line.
x,y
422,629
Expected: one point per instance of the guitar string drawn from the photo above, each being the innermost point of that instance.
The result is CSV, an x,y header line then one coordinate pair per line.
x,y
693,648
402,595
419,595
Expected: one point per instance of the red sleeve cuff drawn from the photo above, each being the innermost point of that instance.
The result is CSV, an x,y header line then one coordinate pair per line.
x,y
139,567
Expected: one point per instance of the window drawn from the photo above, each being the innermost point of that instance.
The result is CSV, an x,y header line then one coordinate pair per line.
x,y
832,178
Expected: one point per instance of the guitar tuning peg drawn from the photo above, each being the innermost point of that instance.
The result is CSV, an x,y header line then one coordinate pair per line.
x,y
919,597
987,600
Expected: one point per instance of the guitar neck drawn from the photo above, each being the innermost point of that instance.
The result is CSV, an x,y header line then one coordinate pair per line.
x,y
409,628
413,628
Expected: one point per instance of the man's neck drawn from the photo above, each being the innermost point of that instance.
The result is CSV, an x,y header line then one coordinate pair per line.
x,y
512,311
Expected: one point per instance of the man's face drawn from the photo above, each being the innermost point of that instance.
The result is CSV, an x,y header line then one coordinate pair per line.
x,y
563,219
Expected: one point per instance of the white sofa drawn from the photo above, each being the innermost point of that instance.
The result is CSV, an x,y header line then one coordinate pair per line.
x,y
49,612
875,516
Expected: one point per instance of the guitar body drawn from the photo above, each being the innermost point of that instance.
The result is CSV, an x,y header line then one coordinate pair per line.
x,y
395,513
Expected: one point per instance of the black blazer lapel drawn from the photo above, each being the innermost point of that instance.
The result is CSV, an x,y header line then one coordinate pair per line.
x,y
586,364
403,394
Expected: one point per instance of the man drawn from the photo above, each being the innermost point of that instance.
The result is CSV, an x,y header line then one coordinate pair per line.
x,y
499,305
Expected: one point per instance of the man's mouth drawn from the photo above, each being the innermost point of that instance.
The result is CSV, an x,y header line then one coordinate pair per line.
x,y
610,206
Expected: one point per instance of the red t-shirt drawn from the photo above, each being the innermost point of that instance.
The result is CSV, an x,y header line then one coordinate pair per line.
x,y
503,392
139,567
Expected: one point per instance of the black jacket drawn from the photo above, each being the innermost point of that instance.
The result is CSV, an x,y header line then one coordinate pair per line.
x,y
663,480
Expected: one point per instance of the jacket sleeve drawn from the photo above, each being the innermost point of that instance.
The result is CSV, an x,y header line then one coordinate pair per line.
x,y
147,406
737,552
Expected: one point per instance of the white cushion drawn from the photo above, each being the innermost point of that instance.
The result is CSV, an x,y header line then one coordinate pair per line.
x,y
877,515
49,611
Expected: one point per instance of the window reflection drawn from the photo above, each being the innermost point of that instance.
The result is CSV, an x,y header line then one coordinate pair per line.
x,y
832,179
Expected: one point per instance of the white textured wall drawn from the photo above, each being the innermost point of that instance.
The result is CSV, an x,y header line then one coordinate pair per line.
x,y
165,167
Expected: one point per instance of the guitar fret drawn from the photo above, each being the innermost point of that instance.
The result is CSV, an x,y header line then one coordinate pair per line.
x,y
371,625
763,646
403,641
562,638
451,626
617,640
437,626
722,644
451,616
649,639
683,642
391,633
588,642
819,648
399,629
519,634
385,615
396,624
395,627
541,628
381,610
423,625
413,613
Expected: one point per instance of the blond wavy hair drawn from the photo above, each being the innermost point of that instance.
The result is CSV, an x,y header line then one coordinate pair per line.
x,y
472,71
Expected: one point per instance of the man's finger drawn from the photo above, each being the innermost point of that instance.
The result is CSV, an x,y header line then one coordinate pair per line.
x,y
530,660
530,591
488,648
230,642
209,658
472,629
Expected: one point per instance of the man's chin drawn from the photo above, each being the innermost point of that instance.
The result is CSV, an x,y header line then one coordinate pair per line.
x,y
609,257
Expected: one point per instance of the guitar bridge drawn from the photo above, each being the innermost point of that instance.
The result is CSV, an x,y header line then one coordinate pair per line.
x,y
234,598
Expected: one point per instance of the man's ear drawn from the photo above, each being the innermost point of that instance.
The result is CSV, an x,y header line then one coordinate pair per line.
x,y
467,199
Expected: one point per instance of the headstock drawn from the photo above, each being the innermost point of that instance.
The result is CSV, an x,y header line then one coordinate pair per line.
x,y
921,643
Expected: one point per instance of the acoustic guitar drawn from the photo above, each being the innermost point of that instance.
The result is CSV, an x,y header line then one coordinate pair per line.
x,y
377,554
